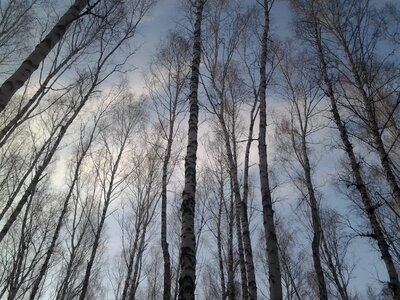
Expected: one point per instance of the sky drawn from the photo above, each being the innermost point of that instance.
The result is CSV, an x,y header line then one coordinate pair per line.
x,y
167,15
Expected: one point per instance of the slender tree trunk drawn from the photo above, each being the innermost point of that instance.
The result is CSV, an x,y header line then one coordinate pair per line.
x,y
187,279
239,232
37,56
130,266
219,244
136,273
231,291
246,178
164,243
274,269
90,263
50,251
316,223
14,282
378,233
63,292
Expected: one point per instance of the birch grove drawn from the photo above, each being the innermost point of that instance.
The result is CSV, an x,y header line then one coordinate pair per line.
x,y
202,149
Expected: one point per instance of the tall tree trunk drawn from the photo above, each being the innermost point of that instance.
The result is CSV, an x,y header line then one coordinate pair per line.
x,y
37,56
14,282
369,208
246,182
187,279
274,269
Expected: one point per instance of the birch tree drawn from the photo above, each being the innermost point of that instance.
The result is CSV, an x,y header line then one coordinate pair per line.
x,y
187,279
274,270
315,31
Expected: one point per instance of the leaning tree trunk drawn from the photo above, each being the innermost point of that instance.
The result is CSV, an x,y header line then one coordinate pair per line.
x,y
274,269
377,231
25,111
187,278
22,74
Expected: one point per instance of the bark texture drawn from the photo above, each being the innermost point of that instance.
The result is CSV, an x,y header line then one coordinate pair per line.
x,y
187,278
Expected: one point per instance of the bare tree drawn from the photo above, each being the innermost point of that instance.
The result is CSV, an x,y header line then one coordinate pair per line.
x,y
143,193
85,142
226,91
167,85
315,31
305,110
126,117
86,84
70,51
